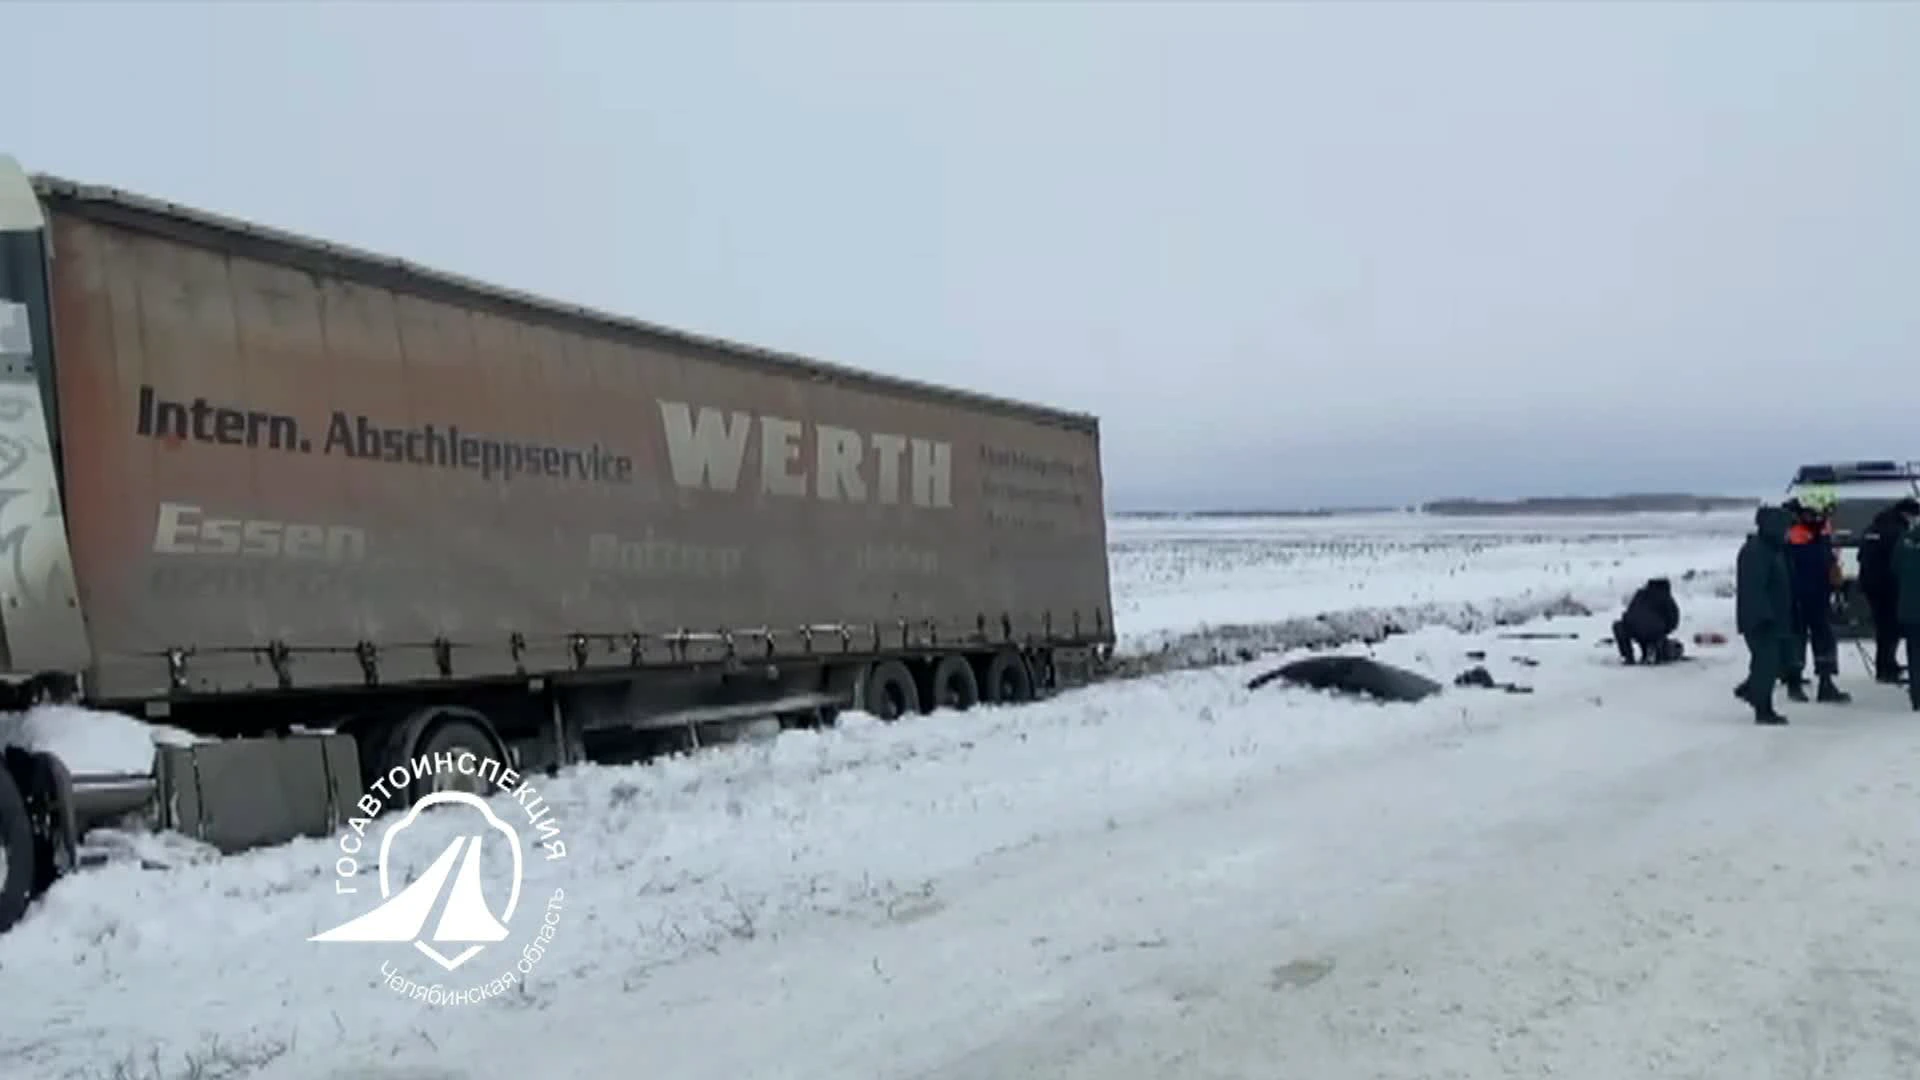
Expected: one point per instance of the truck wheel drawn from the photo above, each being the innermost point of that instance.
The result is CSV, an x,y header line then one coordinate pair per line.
x,y
1008,681
16,853
46,790
954,684
890,691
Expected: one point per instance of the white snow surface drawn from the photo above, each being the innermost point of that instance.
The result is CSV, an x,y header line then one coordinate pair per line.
x,y
1191,591
88,741
1614,876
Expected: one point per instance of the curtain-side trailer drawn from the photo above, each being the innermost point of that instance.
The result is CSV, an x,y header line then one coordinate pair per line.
x,y
335,512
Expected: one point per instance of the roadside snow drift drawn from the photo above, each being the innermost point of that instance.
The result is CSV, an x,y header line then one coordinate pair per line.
x,y
88,741
1615,875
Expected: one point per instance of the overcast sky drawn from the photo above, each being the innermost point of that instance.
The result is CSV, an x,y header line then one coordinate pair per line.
x,y
1291,254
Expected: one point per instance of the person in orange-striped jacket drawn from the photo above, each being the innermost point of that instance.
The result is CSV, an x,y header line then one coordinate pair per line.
x,y
1814,569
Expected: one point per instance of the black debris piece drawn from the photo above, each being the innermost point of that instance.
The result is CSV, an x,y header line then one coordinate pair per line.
x,y
1358,675
1481,678
1474,676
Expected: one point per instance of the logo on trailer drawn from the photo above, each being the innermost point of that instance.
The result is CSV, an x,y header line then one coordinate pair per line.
x,y
467,899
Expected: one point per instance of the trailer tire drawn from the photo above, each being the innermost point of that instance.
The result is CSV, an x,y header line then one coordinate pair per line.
x,y
953,685
16,853
1008,681
890,692
444,730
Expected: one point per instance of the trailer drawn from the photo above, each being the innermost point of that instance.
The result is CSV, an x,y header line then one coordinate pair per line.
x,y
334,512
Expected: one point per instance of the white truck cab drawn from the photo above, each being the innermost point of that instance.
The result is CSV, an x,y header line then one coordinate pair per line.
x,y
1860,490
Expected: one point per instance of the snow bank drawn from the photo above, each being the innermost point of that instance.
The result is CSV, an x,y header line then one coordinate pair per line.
x,y
89,741
868,823
1193,592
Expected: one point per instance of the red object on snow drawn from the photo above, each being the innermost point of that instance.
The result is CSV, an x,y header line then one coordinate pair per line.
x,y
1709,637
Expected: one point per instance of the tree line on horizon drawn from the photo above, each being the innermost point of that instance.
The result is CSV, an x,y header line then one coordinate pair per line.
x,y
1633,503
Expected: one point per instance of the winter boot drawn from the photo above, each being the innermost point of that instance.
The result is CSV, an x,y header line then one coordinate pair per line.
x,y
1796,689
1769,718
1831,694
1893,676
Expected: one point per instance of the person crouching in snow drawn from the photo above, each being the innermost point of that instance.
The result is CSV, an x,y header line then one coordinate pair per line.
x,y
1648,625
1763,609
1815,569
1906,575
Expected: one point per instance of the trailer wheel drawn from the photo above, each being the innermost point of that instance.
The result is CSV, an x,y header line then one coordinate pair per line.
x,y
890,691
1008,681
16,853
445,731
954,684
456,736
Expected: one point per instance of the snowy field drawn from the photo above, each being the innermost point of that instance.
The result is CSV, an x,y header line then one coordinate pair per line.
x,y
1202,588
1615,875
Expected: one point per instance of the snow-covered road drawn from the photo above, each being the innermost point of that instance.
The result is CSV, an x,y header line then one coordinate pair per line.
x,y
1613,876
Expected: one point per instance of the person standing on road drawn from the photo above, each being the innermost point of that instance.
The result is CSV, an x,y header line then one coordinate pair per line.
x,y
1877,546
1763,609
1906,572
1814,569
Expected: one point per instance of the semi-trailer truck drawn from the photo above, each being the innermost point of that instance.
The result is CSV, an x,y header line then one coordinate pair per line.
x,y
333,513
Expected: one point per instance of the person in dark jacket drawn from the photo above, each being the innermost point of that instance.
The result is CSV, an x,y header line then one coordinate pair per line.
x,y
1814,569
1648,624
1906,574
1877,545
1763,609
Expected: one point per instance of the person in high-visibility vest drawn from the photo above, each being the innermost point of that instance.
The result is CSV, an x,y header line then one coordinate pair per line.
x,y
1814,568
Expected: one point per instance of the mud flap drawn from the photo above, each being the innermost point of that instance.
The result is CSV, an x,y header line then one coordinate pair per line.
x,y
1074,667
